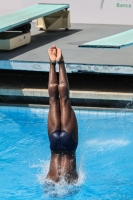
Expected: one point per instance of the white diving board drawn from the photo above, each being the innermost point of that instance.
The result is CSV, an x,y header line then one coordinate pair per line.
x,y
26,15
115,41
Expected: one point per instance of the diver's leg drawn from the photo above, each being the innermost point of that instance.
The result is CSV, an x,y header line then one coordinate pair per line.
x,y
68,118
54,123
68,124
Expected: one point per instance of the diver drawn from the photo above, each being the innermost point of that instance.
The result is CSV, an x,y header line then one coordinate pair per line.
x,y
62,123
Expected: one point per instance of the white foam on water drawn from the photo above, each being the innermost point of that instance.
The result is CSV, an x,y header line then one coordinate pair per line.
x,y
60,189
107,144
2,116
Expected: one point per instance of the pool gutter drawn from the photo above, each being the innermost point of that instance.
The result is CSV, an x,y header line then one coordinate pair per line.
x,y
76,108
78,98
74,94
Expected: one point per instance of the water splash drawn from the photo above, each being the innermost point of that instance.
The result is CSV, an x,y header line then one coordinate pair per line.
x,y
62,188
129,105
1,116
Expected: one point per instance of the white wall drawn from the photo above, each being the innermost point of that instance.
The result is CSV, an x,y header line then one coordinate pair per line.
x,y
84,11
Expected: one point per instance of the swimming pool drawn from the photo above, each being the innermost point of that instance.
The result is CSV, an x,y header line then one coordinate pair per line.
x,y
104,155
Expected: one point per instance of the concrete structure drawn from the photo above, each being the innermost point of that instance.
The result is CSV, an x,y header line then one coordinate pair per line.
x,y
68,41
105,80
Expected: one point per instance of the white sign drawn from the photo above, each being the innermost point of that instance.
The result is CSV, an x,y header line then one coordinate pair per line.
x,y
117,3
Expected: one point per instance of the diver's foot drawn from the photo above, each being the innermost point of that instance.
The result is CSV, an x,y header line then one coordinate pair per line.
x,y
59,57
52,52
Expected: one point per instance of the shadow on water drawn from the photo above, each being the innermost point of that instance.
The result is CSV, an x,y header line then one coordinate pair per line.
x,y
37,41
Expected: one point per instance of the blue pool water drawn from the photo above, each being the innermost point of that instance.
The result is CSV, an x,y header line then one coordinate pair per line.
x,y
104,156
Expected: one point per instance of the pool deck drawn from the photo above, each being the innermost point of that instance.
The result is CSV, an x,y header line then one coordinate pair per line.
x,y
68,41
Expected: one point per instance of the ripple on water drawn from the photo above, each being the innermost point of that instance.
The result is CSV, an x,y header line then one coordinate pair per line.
x,y
107,144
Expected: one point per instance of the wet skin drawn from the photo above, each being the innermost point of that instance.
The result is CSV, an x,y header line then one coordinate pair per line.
x,y
61,117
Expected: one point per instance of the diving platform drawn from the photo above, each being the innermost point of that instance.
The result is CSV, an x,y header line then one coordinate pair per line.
x,y
116,41
15,27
